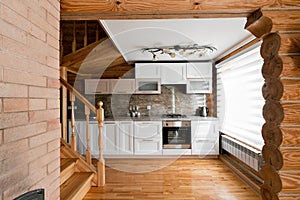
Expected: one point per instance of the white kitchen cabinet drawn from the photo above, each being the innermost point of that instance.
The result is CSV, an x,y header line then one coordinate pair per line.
x,y
126,137
110,138
199,70
97,86
122,86
148,138
173,73
199,86
205,138
147,70
147,86
118,138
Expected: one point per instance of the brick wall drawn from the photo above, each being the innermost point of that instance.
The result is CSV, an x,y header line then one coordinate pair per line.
x,y
29,97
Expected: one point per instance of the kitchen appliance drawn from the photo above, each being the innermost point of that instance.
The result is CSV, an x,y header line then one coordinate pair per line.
x,y
203,111
177,134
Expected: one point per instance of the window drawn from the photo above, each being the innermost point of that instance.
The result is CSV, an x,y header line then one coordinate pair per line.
x,y
240,101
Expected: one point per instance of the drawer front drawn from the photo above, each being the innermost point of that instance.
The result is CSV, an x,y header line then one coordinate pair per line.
x,y
205,146
146,130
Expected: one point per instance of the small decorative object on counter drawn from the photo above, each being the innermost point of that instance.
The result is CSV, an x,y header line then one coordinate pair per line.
x,y
133,111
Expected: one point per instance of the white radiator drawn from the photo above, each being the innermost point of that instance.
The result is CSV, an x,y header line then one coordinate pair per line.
x,y
248,155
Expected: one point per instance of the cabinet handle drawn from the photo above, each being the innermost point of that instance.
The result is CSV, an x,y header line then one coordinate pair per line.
x,y
202,140
145,140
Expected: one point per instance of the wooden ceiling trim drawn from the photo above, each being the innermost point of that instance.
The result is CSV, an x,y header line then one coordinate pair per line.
x,y
166,5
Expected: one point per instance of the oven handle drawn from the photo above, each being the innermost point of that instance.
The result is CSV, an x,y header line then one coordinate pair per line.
x,y
147,140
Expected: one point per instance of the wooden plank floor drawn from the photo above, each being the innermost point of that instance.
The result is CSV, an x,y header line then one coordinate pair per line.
x,y
181,179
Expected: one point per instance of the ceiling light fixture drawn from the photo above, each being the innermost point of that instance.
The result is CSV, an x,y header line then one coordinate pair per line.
x,y
184,51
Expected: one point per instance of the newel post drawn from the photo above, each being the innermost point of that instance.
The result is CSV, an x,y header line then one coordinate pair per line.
x,y
73,136
101,161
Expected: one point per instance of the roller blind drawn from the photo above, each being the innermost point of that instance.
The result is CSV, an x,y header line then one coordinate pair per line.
x,y
239,96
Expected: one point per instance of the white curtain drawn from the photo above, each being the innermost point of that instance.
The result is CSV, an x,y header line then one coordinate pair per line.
x,y
240,100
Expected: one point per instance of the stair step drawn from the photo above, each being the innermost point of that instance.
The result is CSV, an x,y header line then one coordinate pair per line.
x,y
67,168
76,186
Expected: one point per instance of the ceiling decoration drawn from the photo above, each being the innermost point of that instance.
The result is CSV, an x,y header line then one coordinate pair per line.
x,y
182,50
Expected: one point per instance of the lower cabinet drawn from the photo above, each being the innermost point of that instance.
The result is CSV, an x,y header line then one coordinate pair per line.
x,y
148,138
118,138
205,138
128,138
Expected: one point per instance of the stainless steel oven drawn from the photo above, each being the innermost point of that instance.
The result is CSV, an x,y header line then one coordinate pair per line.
x,y
176,134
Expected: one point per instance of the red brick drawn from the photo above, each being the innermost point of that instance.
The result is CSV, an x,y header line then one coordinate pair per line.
x,y
24,157
1,140
8,120
52,103
13,32
52,62
43,138
8,181
53,83
20,77
13,90
52,178
0,105
26,131
13,17
15,105
37,104
43,115
39,92
53,21
1,69
43,161
14,47
53,124
12,149
54,165
15,5
53,145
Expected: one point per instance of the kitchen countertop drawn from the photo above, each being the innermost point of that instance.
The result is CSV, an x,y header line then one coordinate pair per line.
x,y
159,118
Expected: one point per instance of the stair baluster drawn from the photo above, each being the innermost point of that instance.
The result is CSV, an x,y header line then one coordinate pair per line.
x,y
101,162
88,148
73,136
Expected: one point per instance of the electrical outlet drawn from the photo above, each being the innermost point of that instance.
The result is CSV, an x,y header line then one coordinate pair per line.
x,y
148,107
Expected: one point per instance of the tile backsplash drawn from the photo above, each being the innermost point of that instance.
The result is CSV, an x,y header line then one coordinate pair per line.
x,y
117,105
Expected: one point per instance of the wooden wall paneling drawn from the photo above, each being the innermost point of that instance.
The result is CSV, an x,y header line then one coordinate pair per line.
x,y
291,157
280,19
291,66
291,136
291,89
291,113
290,42
290,182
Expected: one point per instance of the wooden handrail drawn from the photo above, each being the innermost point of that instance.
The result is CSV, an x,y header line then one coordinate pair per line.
x,y
78,95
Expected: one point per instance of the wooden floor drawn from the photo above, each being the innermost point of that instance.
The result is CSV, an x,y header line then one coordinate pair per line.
x,y
181,179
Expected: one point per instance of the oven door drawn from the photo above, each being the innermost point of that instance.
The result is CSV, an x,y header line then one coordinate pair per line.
x,y
176,137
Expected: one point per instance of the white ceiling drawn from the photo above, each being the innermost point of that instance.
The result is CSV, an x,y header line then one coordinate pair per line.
x,y
130,36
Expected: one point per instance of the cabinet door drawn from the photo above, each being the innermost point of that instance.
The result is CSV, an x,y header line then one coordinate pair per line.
x,y
147,70
126,138
122,86
96,86
199,70
173,73
148,130
199,86
205,146
151,146
204,129
111,138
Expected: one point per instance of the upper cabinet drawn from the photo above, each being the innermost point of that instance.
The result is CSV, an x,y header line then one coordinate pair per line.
x,y
97,86
173,73
147,70
199,70
122,86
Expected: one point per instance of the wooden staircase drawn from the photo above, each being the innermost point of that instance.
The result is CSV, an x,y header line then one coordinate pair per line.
x,y
76,176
